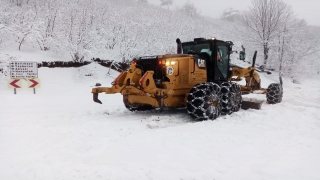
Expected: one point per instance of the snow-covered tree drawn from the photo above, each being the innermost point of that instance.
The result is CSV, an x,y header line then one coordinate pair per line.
x,y
263,21
50,17
143,1
297,49
230,14
78,29
166,3
190,9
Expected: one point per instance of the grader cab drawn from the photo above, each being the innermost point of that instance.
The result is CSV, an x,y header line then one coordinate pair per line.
x,y
201,79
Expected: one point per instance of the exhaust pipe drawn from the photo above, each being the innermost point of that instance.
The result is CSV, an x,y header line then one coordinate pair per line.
x,y
179,46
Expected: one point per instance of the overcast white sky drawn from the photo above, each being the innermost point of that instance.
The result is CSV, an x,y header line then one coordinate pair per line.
x,y
304,9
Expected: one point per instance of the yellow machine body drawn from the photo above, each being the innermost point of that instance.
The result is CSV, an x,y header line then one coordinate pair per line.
x,y
183,72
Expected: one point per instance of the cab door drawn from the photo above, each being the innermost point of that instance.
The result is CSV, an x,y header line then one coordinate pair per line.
x,y
222,58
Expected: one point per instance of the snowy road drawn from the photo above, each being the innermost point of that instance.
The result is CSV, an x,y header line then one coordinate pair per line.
x,y
60,133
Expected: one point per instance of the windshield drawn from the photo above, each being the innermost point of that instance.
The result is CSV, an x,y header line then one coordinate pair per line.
x,y
196,48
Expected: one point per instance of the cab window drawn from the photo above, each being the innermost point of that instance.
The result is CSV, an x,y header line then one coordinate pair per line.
x,y
222,60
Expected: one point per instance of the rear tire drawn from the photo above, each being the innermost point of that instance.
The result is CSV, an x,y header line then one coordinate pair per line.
x,y
274,93
231,97
203,101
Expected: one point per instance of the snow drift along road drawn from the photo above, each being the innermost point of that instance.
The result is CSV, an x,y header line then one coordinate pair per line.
x,y
60,133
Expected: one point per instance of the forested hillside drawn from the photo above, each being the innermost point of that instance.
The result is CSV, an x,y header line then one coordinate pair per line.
x,y
123,29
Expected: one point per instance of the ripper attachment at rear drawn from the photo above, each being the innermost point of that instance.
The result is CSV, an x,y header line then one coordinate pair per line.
x,y
200,77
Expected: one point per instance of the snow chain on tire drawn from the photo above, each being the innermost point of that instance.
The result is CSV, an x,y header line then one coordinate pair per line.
x,y
203,101
231,99
274,93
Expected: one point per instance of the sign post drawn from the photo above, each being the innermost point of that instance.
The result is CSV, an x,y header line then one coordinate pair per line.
x,y
14,83
33,83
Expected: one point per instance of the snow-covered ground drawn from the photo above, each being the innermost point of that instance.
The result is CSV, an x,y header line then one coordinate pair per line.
x,y
60,133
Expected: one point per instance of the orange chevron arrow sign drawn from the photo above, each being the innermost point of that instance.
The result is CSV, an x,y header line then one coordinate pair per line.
x,y
33,83
14,83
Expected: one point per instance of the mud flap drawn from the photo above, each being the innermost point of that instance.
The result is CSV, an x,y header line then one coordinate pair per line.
x,y
95,98
251,105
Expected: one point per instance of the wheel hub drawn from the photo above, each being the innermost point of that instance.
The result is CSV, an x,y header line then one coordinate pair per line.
x,y
213,101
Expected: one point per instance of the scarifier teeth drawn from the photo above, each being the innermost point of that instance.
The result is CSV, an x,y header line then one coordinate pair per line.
x,y
95,98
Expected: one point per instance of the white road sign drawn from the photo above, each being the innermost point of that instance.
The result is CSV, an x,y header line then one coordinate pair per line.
x,y
23,69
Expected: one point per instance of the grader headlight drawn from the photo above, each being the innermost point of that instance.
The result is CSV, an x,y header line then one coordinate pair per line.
x,y
168,63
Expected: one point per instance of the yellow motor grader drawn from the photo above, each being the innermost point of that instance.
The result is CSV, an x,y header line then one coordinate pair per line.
x,y
199,77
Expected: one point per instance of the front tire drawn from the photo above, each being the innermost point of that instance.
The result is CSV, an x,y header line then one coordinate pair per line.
x,y
274,93
203,101
231,97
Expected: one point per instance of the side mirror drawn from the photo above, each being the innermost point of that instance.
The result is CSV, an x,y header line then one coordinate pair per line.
x,y
242,55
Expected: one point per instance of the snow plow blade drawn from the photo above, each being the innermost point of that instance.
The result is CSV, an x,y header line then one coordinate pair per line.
x,y
246,104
